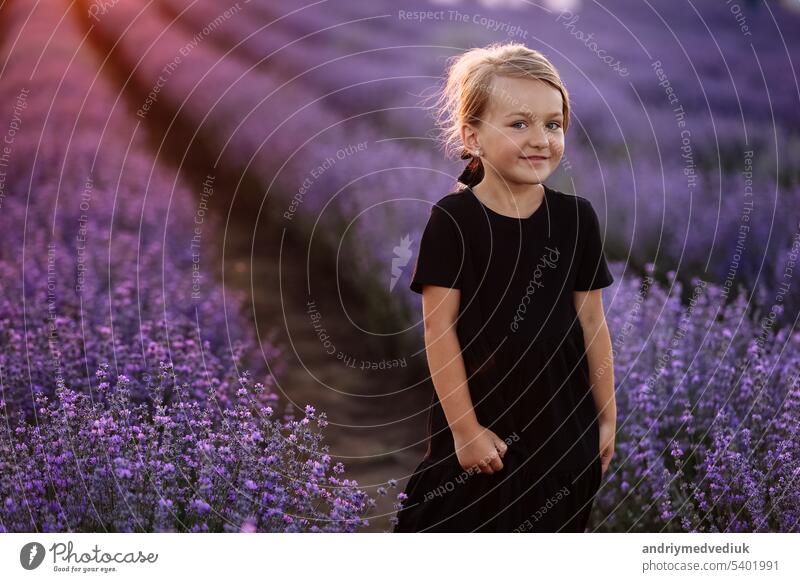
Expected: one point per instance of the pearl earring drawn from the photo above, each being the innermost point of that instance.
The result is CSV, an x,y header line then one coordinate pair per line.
x,y
478,152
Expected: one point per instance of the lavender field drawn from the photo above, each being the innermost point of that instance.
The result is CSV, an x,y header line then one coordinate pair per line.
x,y
210,213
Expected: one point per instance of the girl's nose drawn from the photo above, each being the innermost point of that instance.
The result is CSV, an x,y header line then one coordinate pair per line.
x,y
538,138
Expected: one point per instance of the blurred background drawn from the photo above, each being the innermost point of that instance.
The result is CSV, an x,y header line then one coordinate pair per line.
x,y
256,175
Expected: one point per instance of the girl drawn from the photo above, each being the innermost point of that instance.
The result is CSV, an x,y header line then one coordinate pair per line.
x,y
522,423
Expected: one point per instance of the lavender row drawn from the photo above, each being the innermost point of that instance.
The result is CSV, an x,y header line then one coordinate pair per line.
x,y
126,399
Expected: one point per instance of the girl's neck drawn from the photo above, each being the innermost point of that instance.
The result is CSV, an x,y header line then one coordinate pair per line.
x,y
510,199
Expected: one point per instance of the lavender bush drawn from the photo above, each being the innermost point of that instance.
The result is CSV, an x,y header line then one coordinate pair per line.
x,y
102,463
97,260
708,401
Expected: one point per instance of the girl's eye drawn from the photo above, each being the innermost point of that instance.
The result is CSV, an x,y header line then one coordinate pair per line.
x,y
555,123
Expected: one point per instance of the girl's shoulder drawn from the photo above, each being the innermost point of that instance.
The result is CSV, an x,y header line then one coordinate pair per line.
x,y
571,208
456,205
455,200
567,199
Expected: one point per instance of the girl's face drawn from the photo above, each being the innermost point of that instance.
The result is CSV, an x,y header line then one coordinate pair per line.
x,y
524,118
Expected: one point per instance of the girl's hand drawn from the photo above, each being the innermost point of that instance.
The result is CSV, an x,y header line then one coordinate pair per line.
x,y
608,431
479,449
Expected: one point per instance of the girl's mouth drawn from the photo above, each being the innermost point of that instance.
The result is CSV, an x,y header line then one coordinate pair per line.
x,y
535,158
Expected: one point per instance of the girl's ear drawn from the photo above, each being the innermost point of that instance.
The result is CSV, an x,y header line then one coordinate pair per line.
x,y
469,137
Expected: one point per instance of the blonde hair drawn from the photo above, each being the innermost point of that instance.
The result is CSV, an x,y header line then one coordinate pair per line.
x,y
468,87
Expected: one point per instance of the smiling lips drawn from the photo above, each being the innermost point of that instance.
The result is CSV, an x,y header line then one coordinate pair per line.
x,y
534,158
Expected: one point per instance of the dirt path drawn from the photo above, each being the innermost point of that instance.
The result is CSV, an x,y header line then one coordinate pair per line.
x,y
371,417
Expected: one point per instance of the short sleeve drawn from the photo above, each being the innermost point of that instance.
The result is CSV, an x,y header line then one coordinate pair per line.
x,y
441,257
592,269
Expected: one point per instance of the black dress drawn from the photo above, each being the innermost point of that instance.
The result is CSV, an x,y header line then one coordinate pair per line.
x,y
527,373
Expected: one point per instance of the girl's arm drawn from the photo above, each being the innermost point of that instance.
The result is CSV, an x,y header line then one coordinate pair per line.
x,y
440,311
475,445
589,306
